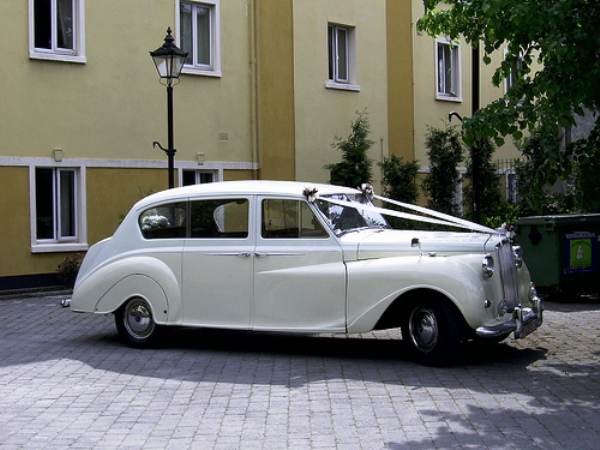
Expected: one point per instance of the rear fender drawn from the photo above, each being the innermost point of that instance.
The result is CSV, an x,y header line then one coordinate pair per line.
x,y
106,289
136,286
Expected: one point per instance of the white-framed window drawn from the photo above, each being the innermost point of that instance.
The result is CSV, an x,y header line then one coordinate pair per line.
x,y
199,35
448,77
512,78
190,177
341,55
57,209
57,30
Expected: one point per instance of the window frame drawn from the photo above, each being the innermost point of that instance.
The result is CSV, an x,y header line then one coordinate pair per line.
x,y
200,176
77,54
58,243
214,68
300,211
334,79
513,77
455,71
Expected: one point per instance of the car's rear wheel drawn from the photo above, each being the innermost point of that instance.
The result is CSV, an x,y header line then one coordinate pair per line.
x,y
431,330
136,325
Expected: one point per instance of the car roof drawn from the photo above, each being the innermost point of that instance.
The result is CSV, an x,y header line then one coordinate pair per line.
x,y
245,187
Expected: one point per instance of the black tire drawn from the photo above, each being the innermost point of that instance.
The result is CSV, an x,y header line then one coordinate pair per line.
x,y
136,325
431,330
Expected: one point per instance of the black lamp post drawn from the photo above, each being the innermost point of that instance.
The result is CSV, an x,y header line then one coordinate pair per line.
x,y
169,60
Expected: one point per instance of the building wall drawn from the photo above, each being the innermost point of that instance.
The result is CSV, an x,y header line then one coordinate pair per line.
x,y
400,60
271,113
299,117
105,113
275,66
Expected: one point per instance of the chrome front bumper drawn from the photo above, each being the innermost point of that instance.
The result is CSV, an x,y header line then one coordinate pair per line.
x,y
523,322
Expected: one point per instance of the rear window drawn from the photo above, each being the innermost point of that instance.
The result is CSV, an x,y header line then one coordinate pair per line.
x,y
164,222
218,218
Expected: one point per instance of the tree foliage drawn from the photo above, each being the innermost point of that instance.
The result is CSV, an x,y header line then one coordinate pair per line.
x,y
557,42
399,179
490,197
399,182
355,166
537,173
445,153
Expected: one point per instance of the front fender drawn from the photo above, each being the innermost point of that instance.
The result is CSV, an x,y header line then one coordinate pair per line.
x,y
373,285
105,290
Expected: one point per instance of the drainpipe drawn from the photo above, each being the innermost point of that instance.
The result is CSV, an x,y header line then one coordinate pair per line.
x,y
475,148
251,12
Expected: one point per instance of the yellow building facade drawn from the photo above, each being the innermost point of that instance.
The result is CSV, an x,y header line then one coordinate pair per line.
x,y
267,87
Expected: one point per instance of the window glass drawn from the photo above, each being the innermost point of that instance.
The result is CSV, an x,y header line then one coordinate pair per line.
x,y
221,218
54,24
197,177
44,203
511,79
64,23
203,34
342,54
43,24
67,203
290,219
186,31
164,222
342,219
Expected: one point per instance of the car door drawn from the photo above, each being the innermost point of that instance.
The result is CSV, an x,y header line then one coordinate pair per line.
x,y
217,263
299,273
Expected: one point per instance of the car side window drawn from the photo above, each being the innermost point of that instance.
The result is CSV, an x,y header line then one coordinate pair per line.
x,y
289,219
221,218
164,222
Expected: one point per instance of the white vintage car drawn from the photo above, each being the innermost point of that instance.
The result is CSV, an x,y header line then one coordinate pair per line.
x,y
307,258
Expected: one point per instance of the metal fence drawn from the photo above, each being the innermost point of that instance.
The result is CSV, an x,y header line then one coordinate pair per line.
x,y
507,169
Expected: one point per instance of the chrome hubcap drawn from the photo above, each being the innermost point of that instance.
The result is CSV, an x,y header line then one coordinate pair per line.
x,y
423,329
138,319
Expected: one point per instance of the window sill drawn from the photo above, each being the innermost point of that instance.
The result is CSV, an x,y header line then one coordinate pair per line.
x,y
55,247
58,57
448,98
342,87
202,72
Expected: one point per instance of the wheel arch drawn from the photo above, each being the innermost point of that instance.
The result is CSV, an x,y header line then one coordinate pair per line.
x,y
149,278
397,310
136,286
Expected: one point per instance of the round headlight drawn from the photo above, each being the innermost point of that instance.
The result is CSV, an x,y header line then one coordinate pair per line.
x,y
518,251
487,265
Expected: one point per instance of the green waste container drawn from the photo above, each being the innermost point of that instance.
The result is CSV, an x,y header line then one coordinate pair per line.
x,y
561,251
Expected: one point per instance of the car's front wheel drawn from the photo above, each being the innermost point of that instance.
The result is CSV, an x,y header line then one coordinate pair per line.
x,y
431,330
136,325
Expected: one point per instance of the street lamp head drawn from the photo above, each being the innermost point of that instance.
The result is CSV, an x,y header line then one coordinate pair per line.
x,y
169,59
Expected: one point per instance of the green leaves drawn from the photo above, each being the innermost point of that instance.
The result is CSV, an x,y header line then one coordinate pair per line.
x,y
355,167
560,34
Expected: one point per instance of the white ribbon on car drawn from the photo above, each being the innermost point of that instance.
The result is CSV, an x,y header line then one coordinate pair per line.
x,y
435,217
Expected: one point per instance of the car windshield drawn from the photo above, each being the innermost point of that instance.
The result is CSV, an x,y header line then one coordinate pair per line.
x,y
342,219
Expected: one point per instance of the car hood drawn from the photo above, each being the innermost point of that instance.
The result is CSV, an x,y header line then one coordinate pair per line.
x,y
386,243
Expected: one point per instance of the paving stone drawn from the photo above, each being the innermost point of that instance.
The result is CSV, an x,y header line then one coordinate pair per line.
x,y
66,381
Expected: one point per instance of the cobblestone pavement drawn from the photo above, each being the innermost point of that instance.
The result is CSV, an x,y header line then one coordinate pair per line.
x,y
67,382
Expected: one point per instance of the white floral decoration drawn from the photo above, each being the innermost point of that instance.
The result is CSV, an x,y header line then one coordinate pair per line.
x,y
311,194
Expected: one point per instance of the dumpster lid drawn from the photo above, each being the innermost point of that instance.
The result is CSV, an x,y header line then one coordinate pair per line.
x,y
561,219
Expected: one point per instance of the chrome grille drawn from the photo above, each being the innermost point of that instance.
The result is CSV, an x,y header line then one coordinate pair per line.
x,y
508,275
